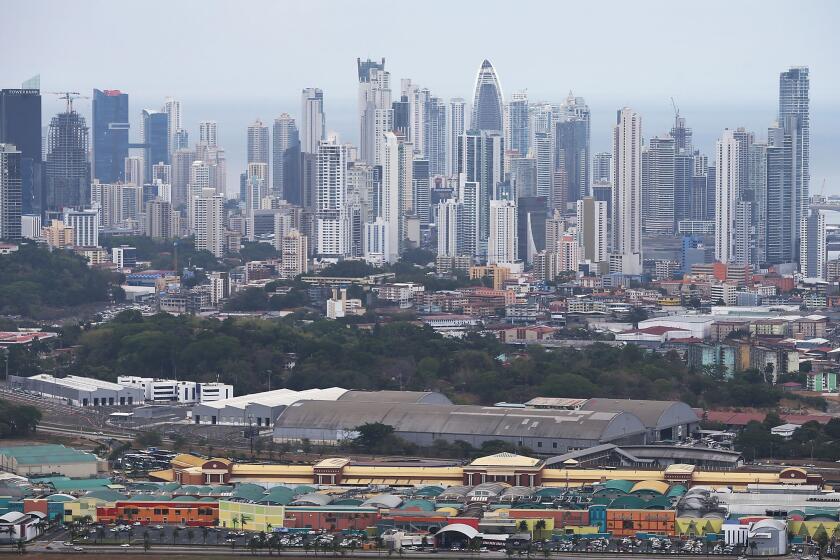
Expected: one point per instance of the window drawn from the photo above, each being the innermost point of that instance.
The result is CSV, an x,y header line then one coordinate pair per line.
x,y
539,444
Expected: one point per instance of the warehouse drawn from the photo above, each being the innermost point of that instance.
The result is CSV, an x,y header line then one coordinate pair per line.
x,y
664,420
28,460
80,391
260,409
543,431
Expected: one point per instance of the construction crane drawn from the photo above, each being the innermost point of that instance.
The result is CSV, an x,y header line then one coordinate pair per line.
x,y
68,96
676,109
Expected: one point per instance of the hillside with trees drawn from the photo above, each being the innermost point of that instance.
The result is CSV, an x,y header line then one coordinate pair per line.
x,y
476,369
36,282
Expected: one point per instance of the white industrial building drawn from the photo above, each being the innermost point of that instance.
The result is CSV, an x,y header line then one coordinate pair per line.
x,y
157,390
80,391
258,409
700,326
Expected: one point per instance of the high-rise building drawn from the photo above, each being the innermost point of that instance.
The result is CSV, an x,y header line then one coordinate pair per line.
x,y
285,138
592,229
813,252
482,161
455,129
502,244
436,145
158,220
601,162
743,234
85,224
727,168
519,124
627,193
571,156
67,169
469,194
448,219
20,126
182,161
110,134
683,183
523,177
10,193
134,171
783,218
681,134
375,109
391,198
659,211
487,101
294,259
332,230
155,133
422,191
208,217
757,189
208,133
176,136
795,118
543,150
258,149
312,120
375,245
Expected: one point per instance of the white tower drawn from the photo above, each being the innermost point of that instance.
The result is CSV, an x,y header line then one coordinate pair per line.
x,y
502,244
726,195
627,191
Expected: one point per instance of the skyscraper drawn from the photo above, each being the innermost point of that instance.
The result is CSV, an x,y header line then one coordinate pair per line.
x,y
487,101
436,146
627,193
391,203
67,168
207,133
592,229
110,134
518,124
601,167
158,219
681,134
795,119
659,213
757,187
312,120
20,125
455,129
175,134
285,137
783,219
155,132
572,147
448,215
258,143
422,191
542,148
813,252
374,95
10,193
530,225
182,161
482,161
502,245
208,216
332,231
727,168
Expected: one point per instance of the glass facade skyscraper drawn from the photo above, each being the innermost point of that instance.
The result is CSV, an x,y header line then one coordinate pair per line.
x,y
487,103
110,135
155,138
20,125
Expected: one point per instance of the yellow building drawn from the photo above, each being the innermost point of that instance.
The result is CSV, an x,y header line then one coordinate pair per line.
x,y
499,274
256,517
79,508
58,235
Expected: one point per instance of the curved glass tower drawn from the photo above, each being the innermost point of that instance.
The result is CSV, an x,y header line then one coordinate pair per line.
x,y
487,103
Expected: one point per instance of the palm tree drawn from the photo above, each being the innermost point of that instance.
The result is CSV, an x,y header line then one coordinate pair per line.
x,y
243,519
539,527
235,522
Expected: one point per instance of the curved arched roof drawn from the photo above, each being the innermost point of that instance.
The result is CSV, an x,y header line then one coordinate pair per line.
x,y
423,505
383,501
106,495
658,415
447,509
676,490
348,502
549,492
651,485
466,530
627,502
429,491
659,502
303,489
60,498
312,499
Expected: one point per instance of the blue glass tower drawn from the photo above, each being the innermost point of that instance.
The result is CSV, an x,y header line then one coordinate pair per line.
x,y
110,135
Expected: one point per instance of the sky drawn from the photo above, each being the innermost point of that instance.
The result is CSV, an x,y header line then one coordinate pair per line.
x,y
235,61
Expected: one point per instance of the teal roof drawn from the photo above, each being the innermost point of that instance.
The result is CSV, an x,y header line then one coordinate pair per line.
x,y
252,492
429,491
170,486
676,490
207,499
52,453
550,492
424,505
183,499
659,502
303,489
347,502
80,484
106,495
621,485
627,502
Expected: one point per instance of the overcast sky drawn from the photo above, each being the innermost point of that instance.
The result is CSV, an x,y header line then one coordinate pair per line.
x,y
233,61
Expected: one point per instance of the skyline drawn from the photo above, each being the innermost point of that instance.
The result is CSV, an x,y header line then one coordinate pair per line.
x,y
209,88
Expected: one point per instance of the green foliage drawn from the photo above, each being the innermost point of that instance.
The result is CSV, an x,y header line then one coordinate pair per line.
x,y
255,251
17,420
148,439
34,280
810,440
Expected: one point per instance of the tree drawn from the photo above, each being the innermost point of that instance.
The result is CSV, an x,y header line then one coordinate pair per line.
x,y
523,526
18,420
150,438
372,434
539,527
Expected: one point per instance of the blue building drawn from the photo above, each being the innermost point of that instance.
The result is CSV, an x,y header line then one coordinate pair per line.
x,y
110,135
693,252
155,138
